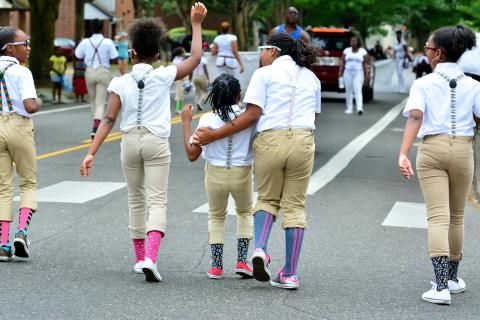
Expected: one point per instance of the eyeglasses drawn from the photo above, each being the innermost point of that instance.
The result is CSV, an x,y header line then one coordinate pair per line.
x,y
260,48
426,48
25,43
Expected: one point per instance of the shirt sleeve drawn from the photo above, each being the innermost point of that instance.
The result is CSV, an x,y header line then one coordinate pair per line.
x,y
169,74
257,90
318,108
26,86
114,86
80,51
476,102
416,100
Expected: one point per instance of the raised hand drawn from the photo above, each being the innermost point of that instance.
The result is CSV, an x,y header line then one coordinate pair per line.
x,y
198,13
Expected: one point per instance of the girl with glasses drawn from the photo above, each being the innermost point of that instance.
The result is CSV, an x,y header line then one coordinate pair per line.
x,y
18,103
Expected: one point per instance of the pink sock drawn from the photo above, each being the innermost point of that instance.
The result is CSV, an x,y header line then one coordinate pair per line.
x,y
25,217
4,230
154,239
139,248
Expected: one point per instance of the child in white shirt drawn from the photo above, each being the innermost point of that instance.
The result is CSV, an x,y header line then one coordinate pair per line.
x,y
228,170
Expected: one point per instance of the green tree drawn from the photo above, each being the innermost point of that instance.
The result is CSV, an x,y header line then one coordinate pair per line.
x,y
44,13
79,19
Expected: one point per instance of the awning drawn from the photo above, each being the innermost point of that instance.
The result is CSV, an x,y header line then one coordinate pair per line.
x,y
92,11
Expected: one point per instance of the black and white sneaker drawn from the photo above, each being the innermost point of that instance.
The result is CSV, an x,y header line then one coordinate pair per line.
x,y
260,261
21,244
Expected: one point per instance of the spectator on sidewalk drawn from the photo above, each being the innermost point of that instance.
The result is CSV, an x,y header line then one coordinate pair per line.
x,y
79,83
18,102
97,51
291,26
58,66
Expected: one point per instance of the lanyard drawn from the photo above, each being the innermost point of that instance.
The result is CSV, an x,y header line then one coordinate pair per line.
x,y
452,83
3,88
141,86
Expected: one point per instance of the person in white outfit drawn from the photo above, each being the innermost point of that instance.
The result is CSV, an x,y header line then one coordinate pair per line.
x,y
225,48
354,70
401,56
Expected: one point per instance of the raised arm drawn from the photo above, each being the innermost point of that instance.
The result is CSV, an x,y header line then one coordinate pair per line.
x,y
197,14
236,54
251,115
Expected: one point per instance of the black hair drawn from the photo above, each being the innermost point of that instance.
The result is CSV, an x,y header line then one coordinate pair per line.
x,y
96,26
178,51
7,35
454,41
224,94
145,37
303,54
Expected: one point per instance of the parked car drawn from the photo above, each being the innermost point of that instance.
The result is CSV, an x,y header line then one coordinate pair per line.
x,y
332,42
67,45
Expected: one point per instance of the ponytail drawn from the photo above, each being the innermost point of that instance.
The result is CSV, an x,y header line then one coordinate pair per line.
x,y
303,54
454,41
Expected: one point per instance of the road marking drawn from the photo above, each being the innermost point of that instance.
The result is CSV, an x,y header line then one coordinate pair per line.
x,y
230,207
407,215
112,137
71,108
76,191
340,161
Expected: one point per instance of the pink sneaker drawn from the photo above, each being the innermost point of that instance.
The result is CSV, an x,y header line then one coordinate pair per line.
x,y
215,273
244,270
284,282
260,261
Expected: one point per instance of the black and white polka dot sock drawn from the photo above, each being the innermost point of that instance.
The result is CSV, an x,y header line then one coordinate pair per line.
x,y
441,268
217,255
242,245
453,270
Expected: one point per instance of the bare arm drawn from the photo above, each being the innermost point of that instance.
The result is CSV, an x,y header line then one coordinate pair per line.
x,y
113,108
305,37
193,151
342,65
412,127
197,13
365,68
237,55
251,115
273,31
32,105
214,49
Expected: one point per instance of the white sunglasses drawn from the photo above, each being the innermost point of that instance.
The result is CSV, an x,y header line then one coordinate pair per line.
x,y
25,43
260,48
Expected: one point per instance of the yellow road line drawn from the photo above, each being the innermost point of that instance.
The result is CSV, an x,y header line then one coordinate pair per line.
x,y
111,137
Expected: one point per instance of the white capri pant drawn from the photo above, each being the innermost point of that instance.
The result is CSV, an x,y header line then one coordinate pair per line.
x,y
401,76
353,87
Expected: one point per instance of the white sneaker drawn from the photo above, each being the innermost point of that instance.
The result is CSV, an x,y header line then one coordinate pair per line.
x,y
150,270
438,297
348,111
456,287
137,268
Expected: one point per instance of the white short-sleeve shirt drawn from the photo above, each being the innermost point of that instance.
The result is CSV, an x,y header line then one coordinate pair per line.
x,y
224,43
354,60
431,95
20,86
216,153
106,51
270,88
399,50
155,115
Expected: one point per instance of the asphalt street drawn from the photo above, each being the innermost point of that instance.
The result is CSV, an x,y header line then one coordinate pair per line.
x,y
351,266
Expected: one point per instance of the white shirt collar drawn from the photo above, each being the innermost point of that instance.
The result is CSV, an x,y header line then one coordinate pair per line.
x,y
282,59
9,58
141,67
447,66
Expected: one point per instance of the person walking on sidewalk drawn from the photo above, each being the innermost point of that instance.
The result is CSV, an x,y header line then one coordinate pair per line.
x,y
440,110
97,51
228,170
354,70
282,98
18,102
143,97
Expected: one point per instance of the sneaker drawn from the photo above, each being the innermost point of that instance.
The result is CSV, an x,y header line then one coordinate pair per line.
x,y
5,253
456,287
150,270
137,268
244,270
260,261
284,282
360,112
348,112
215,273
21,244
438,297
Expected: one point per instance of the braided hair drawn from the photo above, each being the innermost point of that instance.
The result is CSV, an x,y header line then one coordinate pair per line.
x,y
224,94
304,55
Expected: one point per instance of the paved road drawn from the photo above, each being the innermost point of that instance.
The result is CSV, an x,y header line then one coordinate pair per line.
x,y
352,267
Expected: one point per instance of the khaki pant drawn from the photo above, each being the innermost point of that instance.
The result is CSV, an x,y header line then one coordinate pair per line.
x,y
17,145
97,84
445,171
219,183
283,165
146,164
201,89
